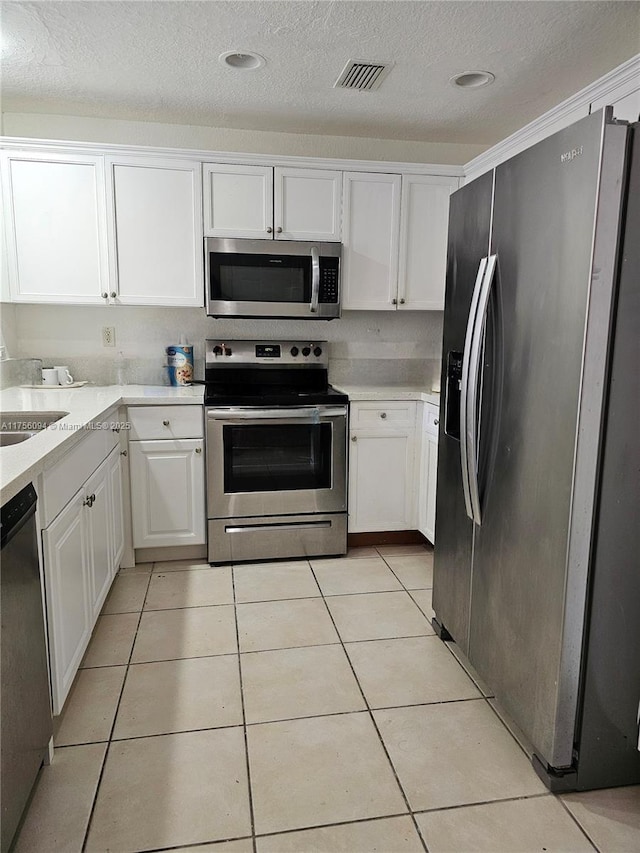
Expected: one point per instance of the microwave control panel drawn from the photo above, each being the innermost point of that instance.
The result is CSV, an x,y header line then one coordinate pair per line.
x,y
329,291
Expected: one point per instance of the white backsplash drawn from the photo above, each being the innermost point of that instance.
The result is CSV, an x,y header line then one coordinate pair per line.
x,y
365,347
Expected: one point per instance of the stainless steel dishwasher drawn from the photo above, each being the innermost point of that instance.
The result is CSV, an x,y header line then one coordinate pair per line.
x,y
26,725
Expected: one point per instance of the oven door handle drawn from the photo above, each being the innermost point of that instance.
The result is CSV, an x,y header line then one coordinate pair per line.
x,y
309,414
315,279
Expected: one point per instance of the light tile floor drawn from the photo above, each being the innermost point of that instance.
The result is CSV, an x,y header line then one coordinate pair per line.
x,y
289,707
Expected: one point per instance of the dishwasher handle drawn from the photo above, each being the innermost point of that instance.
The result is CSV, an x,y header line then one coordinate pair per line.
x,y
16,512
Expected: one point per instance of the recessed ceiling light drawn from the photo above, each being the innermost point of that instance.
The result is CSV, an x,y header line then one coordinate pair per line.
x,y
473,79
241,60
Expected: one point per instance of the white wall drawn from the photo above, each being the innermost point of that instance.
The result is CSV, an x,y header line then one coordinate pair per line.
x,y
82,129
400,347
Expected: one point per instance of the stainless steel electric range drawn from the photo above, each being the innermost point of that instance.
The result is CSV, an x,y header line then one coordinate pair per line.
x,y
276,452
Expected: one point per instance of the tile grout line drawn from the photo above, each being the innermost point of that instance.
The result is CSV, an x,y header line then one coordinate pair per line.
x,y
582,829
244,716
371,717
113,724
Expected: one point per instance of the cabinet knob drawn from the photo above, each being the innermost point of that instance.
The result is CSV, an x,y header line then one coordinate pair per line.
x,y
383,415
87,501
354,438
123,453
113,294
269,230
436,421
105,295
394,301
402,302
278,230
165,423
198,450
115,429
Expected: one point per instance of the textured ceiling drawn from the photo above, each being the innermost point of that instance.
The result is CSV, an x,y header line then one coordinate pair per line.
x,y
157,61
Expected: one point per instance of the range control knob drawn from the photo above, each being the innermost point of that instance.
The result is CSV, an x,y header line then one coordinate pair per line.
x,y
317,352
294,351
217,350
306,351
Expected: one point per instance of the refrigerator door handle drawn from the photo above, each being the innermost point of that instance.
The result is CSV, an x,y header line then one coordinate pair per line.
x,y
464,387
472,414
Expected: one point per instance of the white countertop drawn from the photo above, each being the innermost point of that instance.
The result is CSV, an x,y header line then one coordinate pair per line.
x,y
389,392
21,463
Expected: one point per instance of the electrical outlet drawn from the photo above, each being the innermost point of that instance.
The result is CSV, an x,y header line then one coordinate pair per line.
x,y
108,336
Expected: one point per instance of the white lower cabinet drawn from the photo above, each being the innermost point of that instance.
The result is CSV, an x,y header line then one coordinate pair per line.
x,y
167,492
381,462
66,557
81,548
428,472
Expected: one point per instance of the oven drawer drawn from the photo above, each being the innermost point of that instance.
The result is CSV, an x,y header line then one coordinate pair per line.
x,y
383,415
275,537
153,422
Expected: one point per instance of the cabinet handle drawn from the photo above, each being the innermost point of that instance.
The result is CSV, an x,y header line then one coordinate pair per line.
x,y
436,421
198,450
269,230
402,302
123,453
394,301
113,294
165,423
354,438
87,501
278,230
105,295
383,415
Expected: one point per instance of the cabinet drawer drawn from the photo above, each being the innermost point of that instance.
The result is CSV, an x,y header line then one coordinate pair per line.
x,y
156,422
381,415
62,480
431,419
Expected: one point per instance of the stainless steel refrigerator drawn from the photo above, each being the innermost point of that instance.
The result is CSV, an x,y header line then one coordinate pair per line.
x,y
537,558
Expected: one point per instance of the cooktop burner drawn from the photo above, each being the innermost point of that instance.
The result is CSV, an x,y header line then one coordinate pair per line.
x,y
268,374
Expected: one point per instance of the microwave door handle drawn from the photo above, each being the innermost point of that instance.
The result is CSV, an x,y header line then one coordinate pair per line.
x,y
315,279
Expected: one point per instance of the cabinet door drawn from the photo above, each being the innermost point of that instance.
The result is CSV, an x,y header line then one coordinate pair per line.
x,y
423,241
99,520
167,492
56,228
238,201
155,222
307,204
370,232
66,552
432,479
114,463
381,481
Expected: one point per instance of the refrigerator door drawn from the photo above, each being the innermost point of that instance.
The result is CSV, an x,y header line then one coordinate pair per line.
x,y
531,550
469,230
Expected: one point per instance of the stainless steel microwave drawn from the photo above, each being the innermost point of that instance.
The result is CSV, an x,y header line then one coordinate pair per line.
x,y
279,278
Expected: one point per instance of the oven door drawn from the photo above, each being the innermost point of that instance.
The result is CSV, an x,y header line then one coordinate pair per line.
x,y
255,278
276,461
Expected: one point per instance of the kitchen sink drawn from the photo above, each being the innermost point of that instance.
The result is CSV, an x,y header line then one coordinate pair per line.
x,y
9,438
16,427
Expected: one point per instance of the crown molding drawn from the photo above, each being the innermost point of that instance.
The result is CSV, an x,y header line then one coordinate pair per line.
x,y
620,81
205,156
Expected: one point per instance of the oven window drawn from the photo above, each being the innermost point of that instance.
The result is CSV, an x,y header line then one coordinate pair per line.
x,y
270,458
260,278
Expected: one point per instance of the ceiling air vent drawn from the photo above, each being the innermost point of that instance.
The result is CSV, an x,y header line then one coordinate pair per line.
x,y
363,75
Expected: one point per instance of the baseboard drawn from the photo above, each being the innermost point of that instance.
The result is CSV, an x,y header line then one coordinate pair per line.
x,y
387,537
177,552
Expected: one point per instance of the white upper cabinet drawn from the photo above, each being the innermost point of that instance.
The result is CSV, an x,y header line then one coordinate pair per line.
x,y
370,234
155,230
238,201
424,223
56,227
266,203
307,204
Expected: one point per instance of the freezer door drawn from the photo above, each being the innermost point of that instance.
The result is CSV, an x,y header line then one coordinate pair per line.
x,y
531,552
469,228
